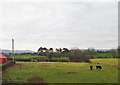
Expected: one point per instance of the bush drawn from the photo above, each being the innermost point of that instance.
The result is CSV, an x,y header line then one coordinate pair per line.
x,y
78,56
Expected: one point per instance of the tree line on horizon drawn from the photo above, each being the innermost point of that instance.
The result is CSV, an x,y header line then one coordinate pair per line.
x,y
74,54
65,54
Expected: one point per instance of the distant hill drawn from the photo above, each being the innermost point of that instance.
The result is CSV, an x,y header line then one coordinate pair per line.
x,y
5,51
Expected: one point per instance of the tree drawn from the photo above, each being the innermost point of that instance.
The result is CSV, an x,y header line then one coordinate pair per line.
x,y
50,56
91,52
114,53
51,50
65,50
40,50
58,50
78,56
45,49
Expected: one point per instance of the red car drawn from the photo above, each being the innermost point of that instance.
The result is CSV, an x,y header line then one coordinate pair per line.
x,y
3,59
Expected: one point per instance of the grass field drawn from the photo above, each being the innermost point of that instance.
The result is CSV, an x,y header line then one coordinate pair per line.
x,y
107,55
28,56
64,72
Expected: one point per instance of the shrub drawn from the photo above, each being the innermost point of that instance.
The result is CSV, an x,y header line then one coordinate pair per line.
x,y
78,56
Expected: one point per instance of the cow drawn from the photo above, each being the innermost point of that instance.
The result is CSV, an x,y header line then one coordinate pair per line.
x,y
91,67
99,67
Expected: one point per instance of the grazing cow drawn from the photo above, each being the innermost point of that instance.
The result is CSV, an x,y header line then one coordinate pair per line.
x,y
99,67
91,67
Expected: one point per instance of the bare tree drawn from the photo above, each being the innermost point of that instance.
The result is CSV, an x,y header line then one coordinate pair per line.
x,y
91,51
77,55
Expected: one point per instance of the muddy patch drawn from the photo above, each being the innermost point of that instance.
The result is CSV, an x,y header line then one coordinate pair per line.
x,y
36,80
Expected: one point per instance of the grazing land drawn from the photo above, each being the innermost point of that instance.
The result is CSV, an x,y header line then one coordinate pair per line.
x,y
65,72
107,54
28,56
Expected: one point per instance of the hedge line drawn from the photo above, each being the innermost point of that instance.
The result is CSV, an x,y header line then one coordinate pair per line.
x,y
42,60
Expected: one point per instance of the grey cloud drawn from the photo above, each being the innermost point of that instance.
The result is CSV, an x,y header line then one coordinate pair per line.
x,y
80,24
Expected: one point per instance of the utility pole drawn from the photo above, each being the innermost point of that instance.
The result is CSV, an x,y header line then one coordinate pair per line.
x,y
13,49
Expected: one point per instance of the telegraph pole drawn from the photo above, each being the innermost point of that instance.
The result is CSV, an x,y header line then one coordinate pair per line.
x,y
13,49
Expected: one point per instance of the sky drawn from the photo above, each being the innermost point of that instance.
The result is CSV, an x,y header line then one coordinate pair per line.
x,y
70,24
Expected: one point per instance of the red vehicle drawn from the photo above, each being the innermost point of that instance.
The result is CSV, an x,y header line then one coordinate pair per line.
x,y
3,59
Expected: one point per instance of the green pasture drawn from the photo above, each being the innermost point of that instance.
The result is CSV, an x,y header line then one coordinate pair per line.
x,y
107,55
27,56
64,72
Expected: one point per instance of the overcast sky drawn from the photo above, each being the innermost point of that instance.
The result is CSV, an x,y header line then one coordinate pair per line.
x,y
59,24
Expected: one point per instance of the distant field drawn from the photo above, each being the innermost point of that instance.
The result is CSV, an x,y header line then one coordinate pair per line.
x,y
107,62
107,55
27,56
65,72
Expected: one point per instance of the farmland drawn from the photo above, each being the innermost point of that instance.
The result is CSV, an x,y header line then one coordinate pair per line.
x,y
65,72
107,54
35,56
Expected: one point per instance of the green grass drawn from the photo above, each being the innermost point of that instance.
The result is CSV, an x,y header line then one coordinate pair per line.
x,y
58,72
28,56
106,61
107,55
